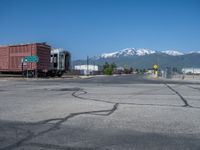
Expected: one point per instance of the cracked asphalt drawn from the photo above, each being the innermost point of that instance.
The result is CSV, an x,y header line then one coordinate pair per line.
x,y
101,113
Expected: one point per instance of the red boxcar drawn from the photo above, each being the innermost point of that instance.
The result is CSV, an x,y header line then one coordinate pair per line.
x,y
11,57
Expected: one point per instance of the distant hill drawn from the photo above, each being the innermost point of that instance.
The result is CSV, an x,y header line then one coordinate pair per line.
x,y
145,58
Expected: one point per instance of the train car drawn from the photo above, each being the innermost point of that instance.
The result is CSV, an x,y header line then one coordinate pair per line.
x,y
11,58
52,62
60,62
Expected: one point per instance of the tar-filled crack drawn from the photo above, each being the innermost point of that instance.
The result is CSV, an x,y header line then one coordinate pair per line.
x,y
55,126
57,147
78,94
194,87
186,104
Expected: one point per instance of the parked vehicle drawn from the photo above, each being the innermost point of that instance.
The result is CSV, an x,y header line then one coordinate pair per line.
x,y
60,62
51,62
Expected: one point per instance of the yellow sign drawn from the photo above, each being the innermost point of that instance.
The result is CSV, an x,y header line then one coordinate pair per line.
x,y
155,67
155,71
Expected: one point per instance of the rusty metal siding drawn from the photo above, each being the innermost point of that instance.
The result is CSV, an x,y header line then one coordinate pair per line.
x,y
4,58
44,54
11,56
17,52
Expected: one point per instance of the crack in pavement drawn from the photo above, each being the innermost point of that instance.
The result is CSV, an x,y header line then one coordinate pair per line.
x,y
58,147
186,104
58,121
79,92
57,125
193,87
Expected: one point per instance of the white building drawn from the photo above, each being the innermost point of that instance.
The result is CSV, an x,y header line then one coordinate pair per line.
x,y
87,69
191,70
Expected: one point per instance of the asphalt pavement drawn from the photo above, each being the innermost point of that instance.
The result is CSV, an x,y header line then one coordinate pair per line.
x,y
127,112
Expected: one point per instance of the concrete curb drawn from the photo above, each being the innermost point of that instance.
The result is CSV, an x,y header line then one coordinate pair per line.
x,y
177,80
85,77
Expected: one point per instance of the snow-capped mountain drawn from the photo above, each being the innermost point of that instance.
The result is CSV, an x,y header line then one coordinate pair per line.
x,y
172,52
193,52
124,52
142,52
136,52
146,58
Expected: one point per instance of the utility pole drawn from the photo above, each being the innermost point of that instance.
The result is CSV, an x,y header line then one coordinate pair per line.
x,y
87,64
193,72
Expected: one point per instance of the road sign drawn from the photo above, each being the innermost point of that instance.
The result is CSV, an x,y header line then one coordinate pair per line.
x,y
30,59
155,66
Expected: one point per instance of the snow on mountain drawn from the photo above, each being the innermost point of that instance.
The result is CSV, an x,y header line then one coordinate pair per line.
x,y
139,52
142,52
126,52
172,52
198,52
107,55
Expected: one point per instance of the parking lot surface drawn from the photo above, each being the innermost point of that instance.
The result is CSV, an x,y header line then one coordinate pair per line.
x,y
104,113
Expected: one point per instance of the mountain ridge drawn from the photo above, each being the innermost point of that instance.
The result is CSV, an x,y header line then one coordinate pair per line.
x,y
146,58
139,52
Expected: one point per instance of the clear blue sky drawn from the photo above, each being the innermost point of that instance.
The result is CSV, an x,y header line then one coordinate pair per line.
x,y
90,27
